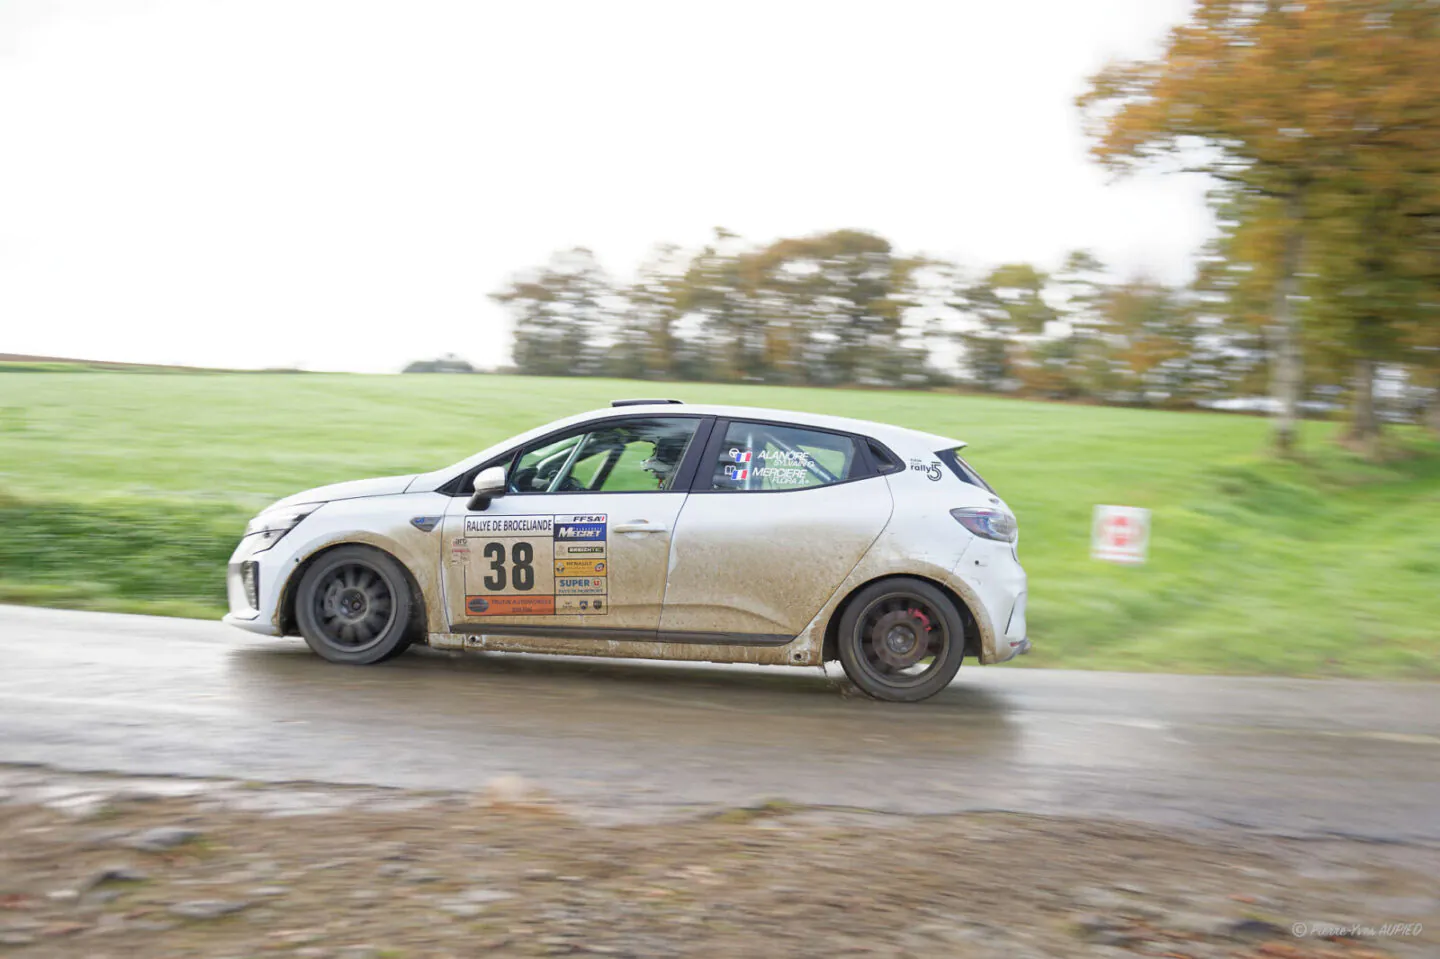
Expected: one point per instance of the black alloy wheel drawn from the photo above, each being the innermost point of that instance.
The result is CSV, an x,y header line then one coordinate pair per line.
x,y
354,606
901,640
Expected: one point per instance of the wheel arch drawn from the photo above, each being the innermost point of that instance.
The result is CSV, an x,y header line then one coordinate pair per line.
x,y
830,650
286,619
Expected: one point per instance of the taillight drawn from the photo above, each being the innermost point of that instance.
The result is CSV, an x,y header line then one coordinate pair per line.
x,y
996,524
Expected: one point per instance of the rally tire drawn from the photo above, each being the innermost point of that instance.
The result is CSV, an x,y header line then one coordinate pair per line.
x,y
901,640
354,606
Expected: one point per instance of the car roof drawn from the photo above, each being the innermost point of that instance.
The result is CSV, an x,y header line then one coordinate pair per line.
x,y
890,435
880,431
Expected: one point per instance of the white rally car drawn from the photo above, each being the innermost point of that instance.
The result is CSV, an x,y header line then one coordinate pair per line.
x,y
658,530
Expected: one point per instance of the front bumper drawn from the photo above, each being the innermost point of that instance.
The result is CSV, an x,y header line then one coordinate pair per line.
x,y
263,627
252,586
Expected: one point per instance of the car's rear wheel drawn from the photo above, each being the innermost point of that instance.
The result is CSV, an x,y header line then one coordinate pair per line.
x,y
901,640
353,606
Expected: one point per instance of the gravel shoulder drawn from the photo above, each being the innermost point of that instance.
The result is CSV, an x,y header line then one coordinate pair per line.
x,y
109,868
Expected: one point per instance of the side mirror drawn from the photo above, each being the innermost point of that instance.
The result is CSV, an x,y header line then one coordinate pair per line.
x,y
489,484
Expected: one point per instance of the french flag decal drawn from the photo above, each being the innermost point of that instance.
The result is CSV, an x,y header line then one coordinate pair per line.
x,y
736,473
738,456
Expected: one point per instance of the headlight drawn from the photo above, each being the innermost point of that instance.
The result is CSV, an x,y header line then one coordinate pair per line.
x,y
270,527
993,524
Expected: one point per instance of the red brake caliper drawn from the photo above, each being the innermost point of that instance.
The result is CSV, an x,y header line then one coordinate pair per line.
x,y
925,621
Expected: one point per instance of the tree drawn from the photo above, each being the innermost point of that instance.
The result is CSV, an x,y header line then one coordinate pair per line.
x,y
1378,268
835,304
560,315
1156,336
1080,287
1075,354
1370,286
1233,284
1006,304
821,309
645,342
1282,101
448,363
719,291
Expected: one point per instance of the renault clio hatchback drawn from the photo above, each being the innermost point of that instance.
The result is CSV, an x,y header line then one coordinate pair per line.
x,y
658,530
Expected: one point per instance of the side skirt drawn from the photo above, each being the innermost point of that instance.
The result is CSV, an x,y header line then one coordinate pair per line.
x,y
633,644
631,635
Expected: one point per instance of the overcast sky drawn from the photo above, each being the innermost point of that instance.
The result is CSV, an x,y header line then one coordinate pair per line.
x,y
338,184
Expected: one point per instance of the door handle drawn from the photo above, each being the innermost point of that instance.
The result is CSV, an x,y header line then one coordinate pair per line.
x,y
639,526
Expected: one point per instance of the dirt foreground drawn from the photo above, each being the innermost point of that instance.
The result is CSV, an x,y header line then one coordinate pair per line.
x,y
244,870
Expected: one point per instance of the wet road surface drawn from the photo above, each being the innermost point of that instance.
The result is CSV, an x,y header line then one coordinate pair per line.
x,y
141,695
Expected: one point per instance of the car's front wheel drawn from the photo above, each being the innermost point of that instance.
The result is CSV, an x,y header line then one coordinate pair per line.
x,y
353,606
901,640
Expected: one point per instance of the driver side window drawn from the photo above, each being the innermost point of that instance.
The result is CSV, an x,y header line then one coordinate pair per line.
x,y
626,456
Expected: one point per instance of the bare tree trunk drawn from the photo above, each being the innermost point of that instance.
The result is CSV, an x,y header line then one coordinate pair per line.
x,y
1286,372
660,358
1364,433
1432,410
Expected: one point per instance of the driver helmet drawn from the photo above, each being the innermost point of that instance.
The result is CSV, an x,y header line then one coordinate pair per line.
x,y
663,460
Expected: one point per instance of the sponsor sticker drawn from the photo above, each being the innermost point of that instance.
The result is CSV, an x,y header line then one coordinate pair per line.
x,y
583,605
459,550
539,565
510,605
580,567
591,532
579,584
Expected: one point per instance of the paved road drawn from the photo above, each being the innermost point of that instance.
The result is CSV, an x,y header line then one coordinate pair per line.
x,y
102,692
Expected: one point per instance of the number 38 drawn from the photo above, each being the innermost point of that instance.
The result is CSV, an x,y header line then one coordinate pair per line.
x,y
522,568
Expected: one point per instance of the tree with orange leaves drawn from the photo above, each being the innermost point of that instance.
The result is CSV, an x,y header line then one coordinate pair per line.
x,y
1291,105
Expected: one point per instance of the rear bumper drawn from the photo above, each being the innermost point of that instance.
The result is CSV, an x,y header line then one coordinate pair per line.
x,y
994,577
1016,641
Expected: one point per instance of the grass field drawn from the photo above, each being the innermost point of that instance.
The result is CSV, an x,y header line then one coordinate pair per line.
x,y
128,490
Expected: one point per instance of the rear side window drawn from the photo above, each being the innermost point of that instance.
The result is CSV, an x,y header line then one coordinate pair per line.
x,y
964,470
763,457
885,461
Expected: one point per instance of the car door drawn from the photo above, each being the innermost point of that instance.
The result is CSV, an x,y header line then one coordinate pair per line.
x,y
778,516
579,544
